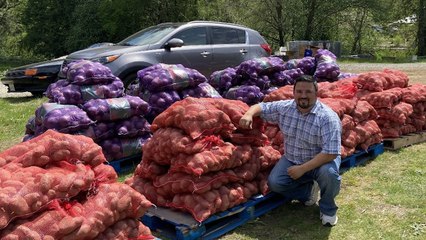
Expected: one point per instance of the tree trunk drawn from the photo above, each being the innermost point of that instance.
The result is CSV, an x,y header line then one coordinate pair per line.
x,y
310,19
280,21
421,28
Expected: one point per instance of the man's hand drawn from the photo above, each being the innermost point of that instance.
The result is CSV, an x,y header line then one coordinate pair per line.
x,y
246,121
295,171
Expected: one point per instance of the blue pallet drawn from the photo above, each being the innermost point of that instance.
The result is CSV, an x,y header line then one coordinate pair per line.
x,y
124,165
176,225
360,157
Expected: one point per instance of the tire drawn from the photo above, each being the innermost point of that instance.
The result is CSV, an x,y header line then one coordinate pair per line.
x,y
129,79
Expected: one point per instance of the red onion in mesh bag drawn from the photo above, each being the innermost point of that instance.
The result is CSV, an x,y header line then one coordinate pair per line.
x,y
327,67
99,131
83,72
246,93
64,118
263,82
55,86
116,108
160,101
307,65
132,127
224,79
117,148
79,94
202,90
286,77
259,66
163,77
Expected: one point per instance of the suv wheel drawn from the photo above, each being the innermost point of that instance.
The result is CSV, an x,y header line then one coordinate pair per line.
x,y
129,80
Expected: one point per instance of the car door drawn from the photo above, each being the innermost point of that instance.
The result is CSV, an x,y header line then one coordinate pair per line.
x,y
195,52
229,47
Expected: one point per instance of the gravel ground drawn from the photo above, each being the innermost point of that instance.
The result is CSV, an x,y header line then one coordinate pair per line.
x,y
415,71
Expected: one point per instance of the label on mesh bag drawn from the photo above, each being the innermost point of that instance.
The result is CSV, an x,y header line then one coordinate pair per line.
x,y
89,92
119,108
179,76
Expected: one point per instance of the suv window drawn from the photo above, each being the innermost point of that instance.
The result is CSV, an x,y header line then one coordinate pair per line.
x,y
228,35
148,36
193,36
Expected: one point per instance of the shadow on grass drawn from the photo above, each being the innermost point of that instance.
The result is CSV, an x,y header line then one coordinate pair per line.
x,y
289,221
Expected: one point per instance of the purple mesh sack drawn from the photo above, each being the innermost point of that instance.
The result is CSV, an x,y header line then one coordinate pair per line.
x,y
79,94
30,126
343,75
160,101
246,93
327,68
116,108
117,148
291,64
224,79
260,66
54,87
286,77
132,127
63,118
164,77
263,82
200,91
84,72
307,65
99,131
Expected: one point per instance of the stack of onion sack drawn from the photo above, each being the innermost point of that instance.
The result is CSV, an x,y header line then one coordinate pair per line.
x,y
56,186
161,85
85,80
359,130
199,161
91,102
400,107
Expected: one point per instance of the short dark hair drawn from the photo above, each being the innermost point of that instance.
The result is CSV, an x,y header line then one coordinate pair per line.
x,y
306,78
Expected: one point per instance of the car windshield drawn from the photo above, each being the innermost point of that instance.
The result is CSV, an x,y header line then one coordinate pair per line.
x,y
148,36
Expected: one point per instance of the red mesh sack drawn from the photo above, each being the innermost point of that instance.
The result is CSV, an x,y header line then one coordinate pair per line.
x,y
414,93
363,111
196,116
166,143
215,159
395,78
369,133
149,169
202,206
146,188
399,113
54,223
341,106
419,107
350,138
267,155
111,203
282,93
52,146
126,229
418,121
28,190
344,88
384,99
174,183
346,151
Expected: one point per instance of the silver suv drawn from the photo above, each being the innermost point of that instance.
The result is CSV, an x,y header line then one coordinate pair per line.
x,y
202,45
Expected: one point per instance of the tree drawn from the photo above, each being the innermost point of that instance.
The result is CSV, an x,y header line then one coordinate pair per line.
x,y
421,28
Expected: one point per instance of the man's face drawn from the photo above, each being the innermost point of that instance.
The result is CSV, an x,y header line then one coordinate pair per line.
x,y
305,96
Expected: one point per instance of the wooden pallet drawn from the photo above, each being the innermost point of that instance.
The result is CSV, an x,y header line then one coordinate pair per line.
x,y
124,165
172,224
360,157
404,140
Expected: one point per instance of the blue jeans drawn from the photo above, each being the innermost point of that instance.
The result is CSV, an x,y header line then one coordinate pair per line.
x,y
327,176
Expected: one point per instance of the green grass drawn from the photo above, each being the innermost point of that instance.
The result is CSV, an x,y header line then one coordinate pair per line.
x,y
14,114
